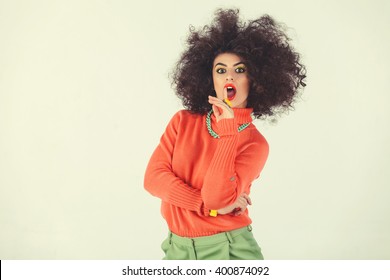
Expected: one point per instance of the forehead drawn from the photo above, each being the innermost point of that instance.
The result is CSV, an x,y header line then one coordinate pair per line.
x,y
227,58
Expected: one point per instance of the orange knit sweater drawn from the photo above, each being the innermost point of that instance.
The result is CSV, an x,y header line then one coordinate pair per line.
x,y
192,172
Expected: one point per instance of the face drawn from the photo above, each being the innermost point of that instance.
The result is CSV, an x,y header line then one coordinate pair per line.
x,y
230,79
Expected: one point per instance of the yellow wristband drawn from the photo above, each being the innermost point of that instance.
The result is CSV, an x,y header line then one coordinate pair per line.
x,y
213,213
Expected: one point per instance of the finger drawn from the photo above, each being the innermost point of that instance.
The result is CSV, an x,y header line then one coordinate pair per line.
x,y
237,211
216,111
244,196
242,203
241,200
240,210
213,99
225,95
224,110
216,101
248,199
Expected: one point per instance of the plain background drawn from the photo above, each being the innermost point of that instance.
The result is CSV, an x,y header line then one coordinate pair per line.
x,y
85,97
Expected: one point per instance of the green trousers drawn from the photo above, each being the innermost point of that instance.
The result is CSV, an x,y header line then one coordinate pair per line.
x,y
237,244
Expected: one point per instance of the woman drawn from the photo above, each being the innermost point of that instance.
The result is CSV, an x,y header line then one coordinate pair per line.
x,y
210,154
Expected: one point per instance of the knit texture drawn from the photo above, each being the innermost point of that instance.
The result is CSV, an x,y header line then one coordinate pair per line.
x,y
191,172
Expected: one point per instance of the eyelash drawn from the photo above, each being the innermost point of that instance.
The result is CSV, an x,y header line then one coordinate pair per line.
x,y
237,70
240,70
220,71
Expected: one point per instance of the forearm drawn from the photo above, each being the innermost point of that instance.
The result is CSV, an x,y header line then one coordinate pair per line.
x,y
160,179
161,182
220,185
233,168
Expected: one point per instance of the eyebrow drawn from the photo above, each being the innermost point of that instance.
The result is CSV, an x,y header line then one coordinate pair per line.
x,y
220,63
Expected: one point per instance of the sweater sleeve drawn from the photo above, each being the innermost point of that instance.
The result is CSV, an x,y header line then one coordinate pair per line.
x,y
162,182
232,172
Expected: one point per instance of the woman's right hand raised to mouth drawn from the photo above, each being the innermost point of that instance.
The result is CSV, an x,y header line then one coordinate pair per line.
x,y
221,109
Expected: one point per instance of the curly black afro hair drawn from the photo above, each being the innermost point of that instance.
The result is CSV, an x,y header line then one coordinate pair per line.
x,y
274,69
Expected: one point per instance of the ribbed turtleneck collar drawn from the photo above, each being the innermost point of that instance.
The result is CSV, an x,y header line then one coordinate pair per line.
x,y
243,115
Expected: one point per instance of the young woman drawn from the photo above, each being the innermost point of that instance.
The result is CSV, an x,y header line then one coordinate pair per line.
x,y
210,153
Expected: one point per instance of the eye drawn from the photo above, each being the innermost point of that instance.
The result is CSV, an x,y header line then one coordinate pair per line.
x,y
220,70
240,70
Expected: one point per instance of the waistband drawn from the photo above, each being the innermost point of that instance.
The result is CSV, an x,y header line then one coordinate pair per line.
x,y
208,240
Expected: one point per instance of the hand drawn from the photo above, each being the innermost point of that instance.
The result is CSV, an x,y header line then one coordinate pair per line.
x,y
221,109
238,207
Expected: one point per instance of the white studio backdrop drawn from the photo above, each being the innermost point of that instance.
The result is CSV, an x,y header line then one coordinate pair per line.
x,y
85,97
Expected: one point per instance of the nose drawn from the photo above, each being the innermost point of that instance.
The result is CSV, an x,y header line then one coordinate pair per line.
x,y
229,77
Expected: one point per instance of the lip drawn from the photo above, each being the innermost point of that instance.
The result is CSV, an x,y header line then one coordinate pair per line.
x,y
232,96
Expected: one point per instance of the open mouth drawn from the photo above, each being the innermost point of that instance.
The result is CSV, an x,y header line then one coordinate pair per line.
x,y
231,91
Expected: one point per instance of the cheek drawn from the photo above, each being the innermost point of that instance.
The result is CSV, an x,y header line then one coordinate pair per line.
x,y
247,85
219,93
218,86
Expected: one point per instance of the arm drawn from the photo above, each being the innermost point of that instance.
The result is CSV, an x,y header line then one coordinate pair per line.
x,y
162,182
231,172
